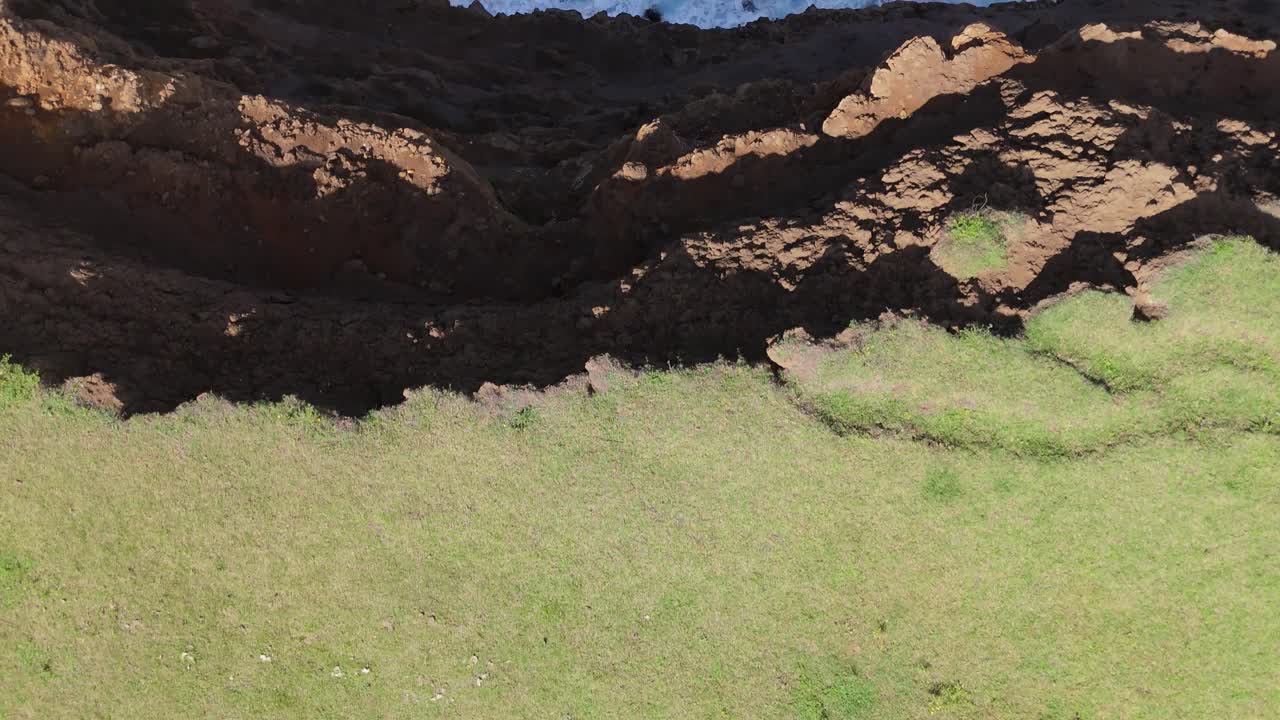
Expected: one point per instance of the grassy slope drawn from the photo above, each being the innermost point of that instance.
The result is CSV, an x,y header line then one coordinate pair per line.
x,y
689,544
1214,362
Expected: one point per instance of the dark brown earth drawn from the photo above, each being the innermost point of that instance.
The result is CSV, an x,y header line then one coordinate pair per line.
x,y
342,200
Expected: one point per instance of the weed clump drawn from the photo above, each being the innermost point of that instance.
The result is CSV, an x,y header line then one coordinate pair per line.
x,y
17,385
524,419
948,695
834,693
976,242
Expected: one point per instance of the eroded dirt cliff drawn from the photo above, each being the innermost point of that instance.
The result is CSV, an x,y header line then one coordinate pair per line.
x,y
344,200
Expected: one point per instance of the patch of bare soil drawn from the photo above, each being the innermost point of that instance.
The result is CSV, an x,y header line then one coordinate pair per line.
x,y
340,201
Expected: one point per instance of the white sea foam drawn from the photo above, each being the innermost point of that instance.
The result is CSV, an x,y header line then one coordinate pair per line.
x,y
703,13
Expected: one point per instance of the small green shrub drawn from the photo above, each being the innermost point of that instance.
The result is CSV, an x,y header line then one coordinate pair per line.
x,y
17,385
524,419
294,412
973,228
975,243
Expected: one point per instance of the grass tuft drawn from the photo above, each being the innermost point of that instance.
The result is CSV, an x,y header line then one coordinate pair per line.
x,y
942,483
17,385
948,696
13,570
976,242
833,693
524,418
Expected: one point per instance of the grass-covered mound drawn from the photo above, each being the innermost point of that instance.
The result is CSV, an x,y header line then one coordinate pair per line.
x,y
1087,376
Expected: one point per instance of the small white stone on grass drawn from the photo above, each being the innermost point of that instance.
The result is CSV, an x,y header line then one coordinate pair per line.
x,y
264,658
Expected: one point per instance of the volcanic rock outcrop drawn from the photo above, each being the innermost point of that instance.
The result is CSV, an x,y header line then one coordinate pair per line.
x,y
343,200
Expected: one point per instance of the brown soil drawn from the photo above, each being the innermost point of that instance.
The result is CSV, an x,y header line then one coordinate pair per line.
x,y
342,200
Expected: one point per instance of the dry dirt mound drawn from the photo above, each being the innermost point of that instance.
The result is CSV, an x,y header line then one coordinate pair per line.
x,y
343,200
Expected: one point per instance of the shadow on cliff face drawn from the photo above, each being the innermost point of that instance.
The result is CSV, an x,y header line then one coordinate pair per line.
x,y
312,199
161,336
1179,80
170,282
1092,259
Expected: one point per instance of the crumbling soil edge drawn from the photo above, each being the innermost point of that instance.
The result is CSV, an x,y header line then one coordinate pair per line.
x,y
1116,167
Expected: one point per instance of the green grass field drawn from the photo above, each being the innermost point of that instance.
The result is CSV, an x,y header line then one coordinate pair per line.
x,y
1082,523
